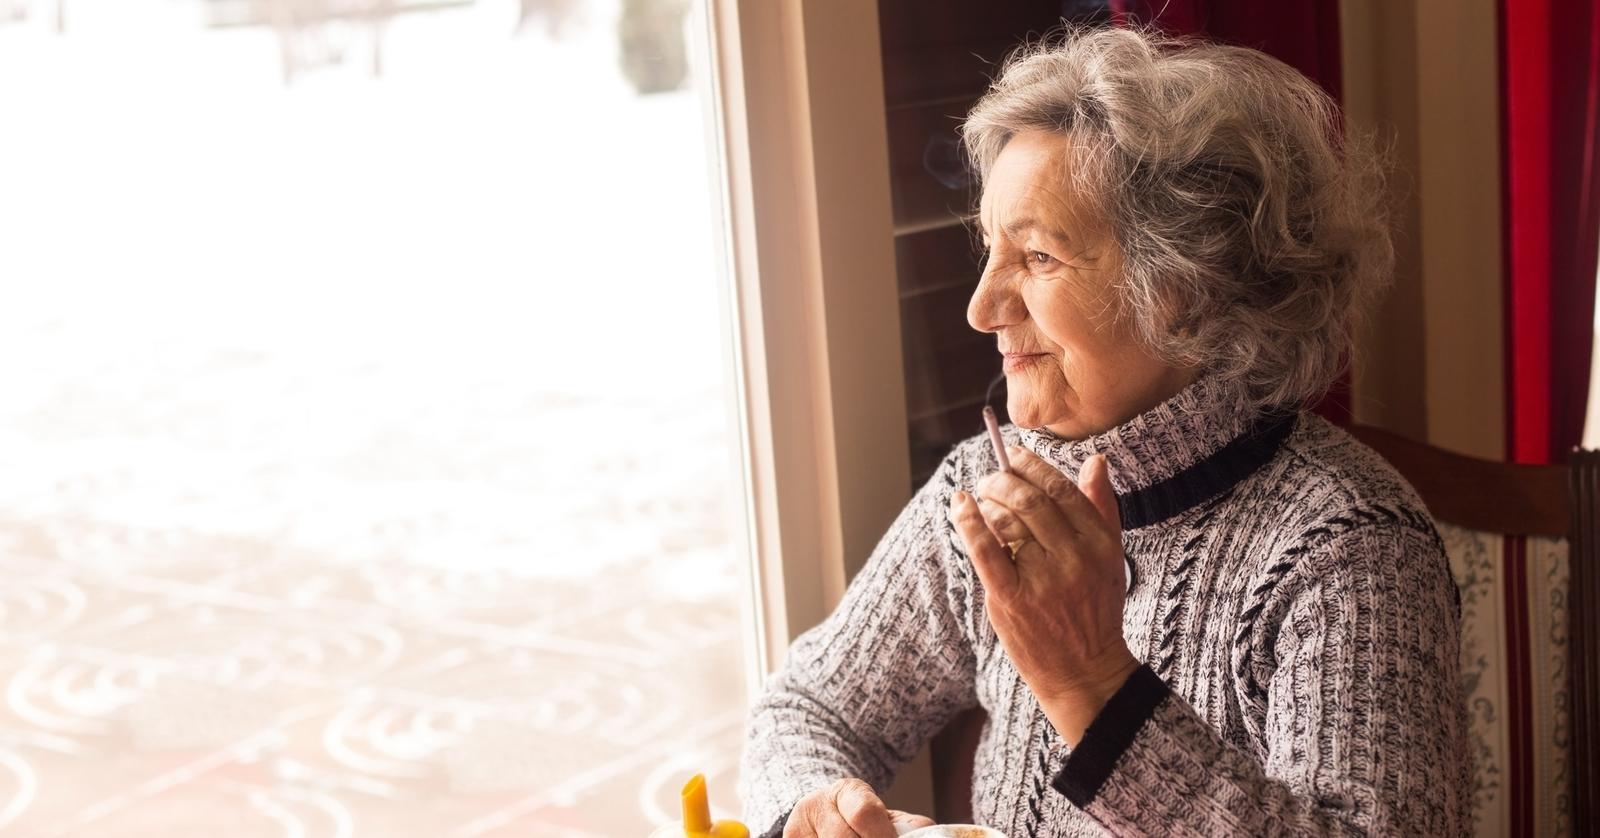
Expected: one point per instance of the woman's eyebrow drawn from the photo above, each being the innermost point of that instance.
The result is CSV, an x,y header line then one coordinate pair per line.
x,y
1016,227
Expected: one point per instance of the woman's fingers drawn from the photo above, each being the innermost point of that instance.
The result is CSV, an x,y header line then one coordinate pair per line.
x,y
1017,509
1081,512
826,823
862,810
847,809
1007,528
1095,483
905,821
990,559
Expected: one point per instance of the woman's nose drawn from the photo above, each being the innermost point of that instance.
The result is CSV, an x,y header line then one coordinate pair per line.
x,y
995,304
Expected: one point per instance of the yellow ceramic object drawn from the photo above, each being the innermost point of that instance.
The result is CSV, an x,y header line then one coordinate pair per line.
x,y
697,817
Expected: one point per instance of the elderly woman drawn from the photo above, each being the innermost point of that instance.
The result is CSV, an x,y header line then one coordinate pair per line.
x,y
1192,607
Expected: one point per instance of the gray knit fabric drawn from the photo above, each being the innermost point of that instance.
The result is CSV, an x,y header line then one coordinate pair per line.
x,y
1300,630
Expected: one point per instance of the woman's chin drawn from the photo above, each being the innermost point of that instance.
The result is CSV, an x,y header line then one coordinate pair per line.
x,y
1026,413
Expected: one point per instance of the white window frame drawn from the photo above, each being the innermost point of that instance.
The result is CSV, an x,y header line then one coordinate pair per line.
x,y
798,88
813,301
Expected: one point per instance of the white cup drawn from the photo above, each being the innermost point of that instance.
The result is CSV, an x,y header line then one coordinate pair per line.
x,y
949,830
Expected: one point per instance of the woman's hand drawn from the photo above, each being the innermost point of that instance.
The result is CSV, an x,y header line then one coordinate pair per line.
x,y
847,809
1055,601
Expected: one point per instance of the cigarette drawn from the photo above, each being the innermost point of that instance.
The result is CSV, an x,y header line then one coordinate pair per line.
x,y
999,444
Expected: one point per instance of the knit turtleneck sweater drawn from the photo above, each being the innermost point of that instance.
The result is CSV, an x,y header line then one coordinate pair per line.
x,y
1290,602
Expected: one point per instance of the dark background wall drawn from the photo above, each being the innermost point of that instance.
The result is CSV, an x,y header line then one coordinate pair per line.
x,y
937,60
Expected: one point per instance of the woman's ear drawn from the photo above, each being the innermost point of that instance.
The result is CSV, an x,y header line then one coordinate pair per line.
x,y
1179,324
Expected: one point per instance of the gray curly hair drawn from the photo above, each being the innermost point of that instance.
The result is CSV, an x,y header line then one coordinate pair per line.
x,y
1254,236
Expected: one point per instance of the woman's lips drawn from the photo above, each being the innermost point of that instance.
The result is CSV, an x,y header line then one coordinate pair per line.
x,y
1017,361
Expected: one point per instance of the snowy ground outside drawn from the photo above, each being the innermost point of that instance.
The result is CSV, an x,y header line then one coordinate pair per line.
x,y
364,464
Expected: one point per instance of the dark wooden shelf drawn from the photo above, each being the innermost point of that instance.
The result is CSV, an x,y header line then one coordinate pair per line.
x,y
937,258
918,75
936,63
933,436
923,204
929,176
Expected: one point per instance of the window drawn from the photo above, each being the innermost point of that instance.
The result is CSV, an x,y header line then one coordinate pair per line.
x,y
365,452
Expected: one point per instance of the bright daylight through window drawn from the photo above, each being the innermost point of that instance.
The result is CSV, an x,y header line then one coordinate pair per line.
x,y
365,452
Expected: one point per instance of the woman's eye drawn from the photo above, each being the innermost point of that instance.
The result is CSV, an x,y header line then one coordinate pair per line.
x,y
1040,259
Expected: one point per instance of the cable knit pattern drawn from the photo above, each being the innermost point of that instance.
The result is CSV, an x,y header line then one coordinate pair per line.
x,y
1290,598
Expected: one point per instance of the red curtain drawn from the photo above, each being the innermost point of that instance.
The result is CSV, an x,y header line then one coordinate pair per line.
x,y
1550,79
1304,35
1549,58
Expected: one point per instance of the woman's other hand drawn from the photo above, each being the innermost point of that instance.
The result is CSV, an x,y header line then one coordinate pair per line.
x,y
1056,601
847,809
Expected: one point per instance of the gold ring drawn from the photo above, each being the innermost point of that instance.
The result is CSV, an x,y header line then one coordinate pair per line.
x,y
1014,546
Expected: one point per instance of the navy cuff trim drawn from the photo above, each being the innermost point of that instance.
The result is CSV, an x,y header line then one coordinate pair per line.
x,y
1089,765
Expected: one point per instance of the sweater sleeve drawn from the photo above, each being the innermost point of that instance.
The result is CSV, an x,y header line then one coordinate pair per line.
x,y
860,693
1351,660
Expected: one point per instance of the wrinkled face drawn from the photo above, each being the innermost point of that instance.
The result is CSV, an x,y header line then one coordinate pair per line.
x,y
1048,293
